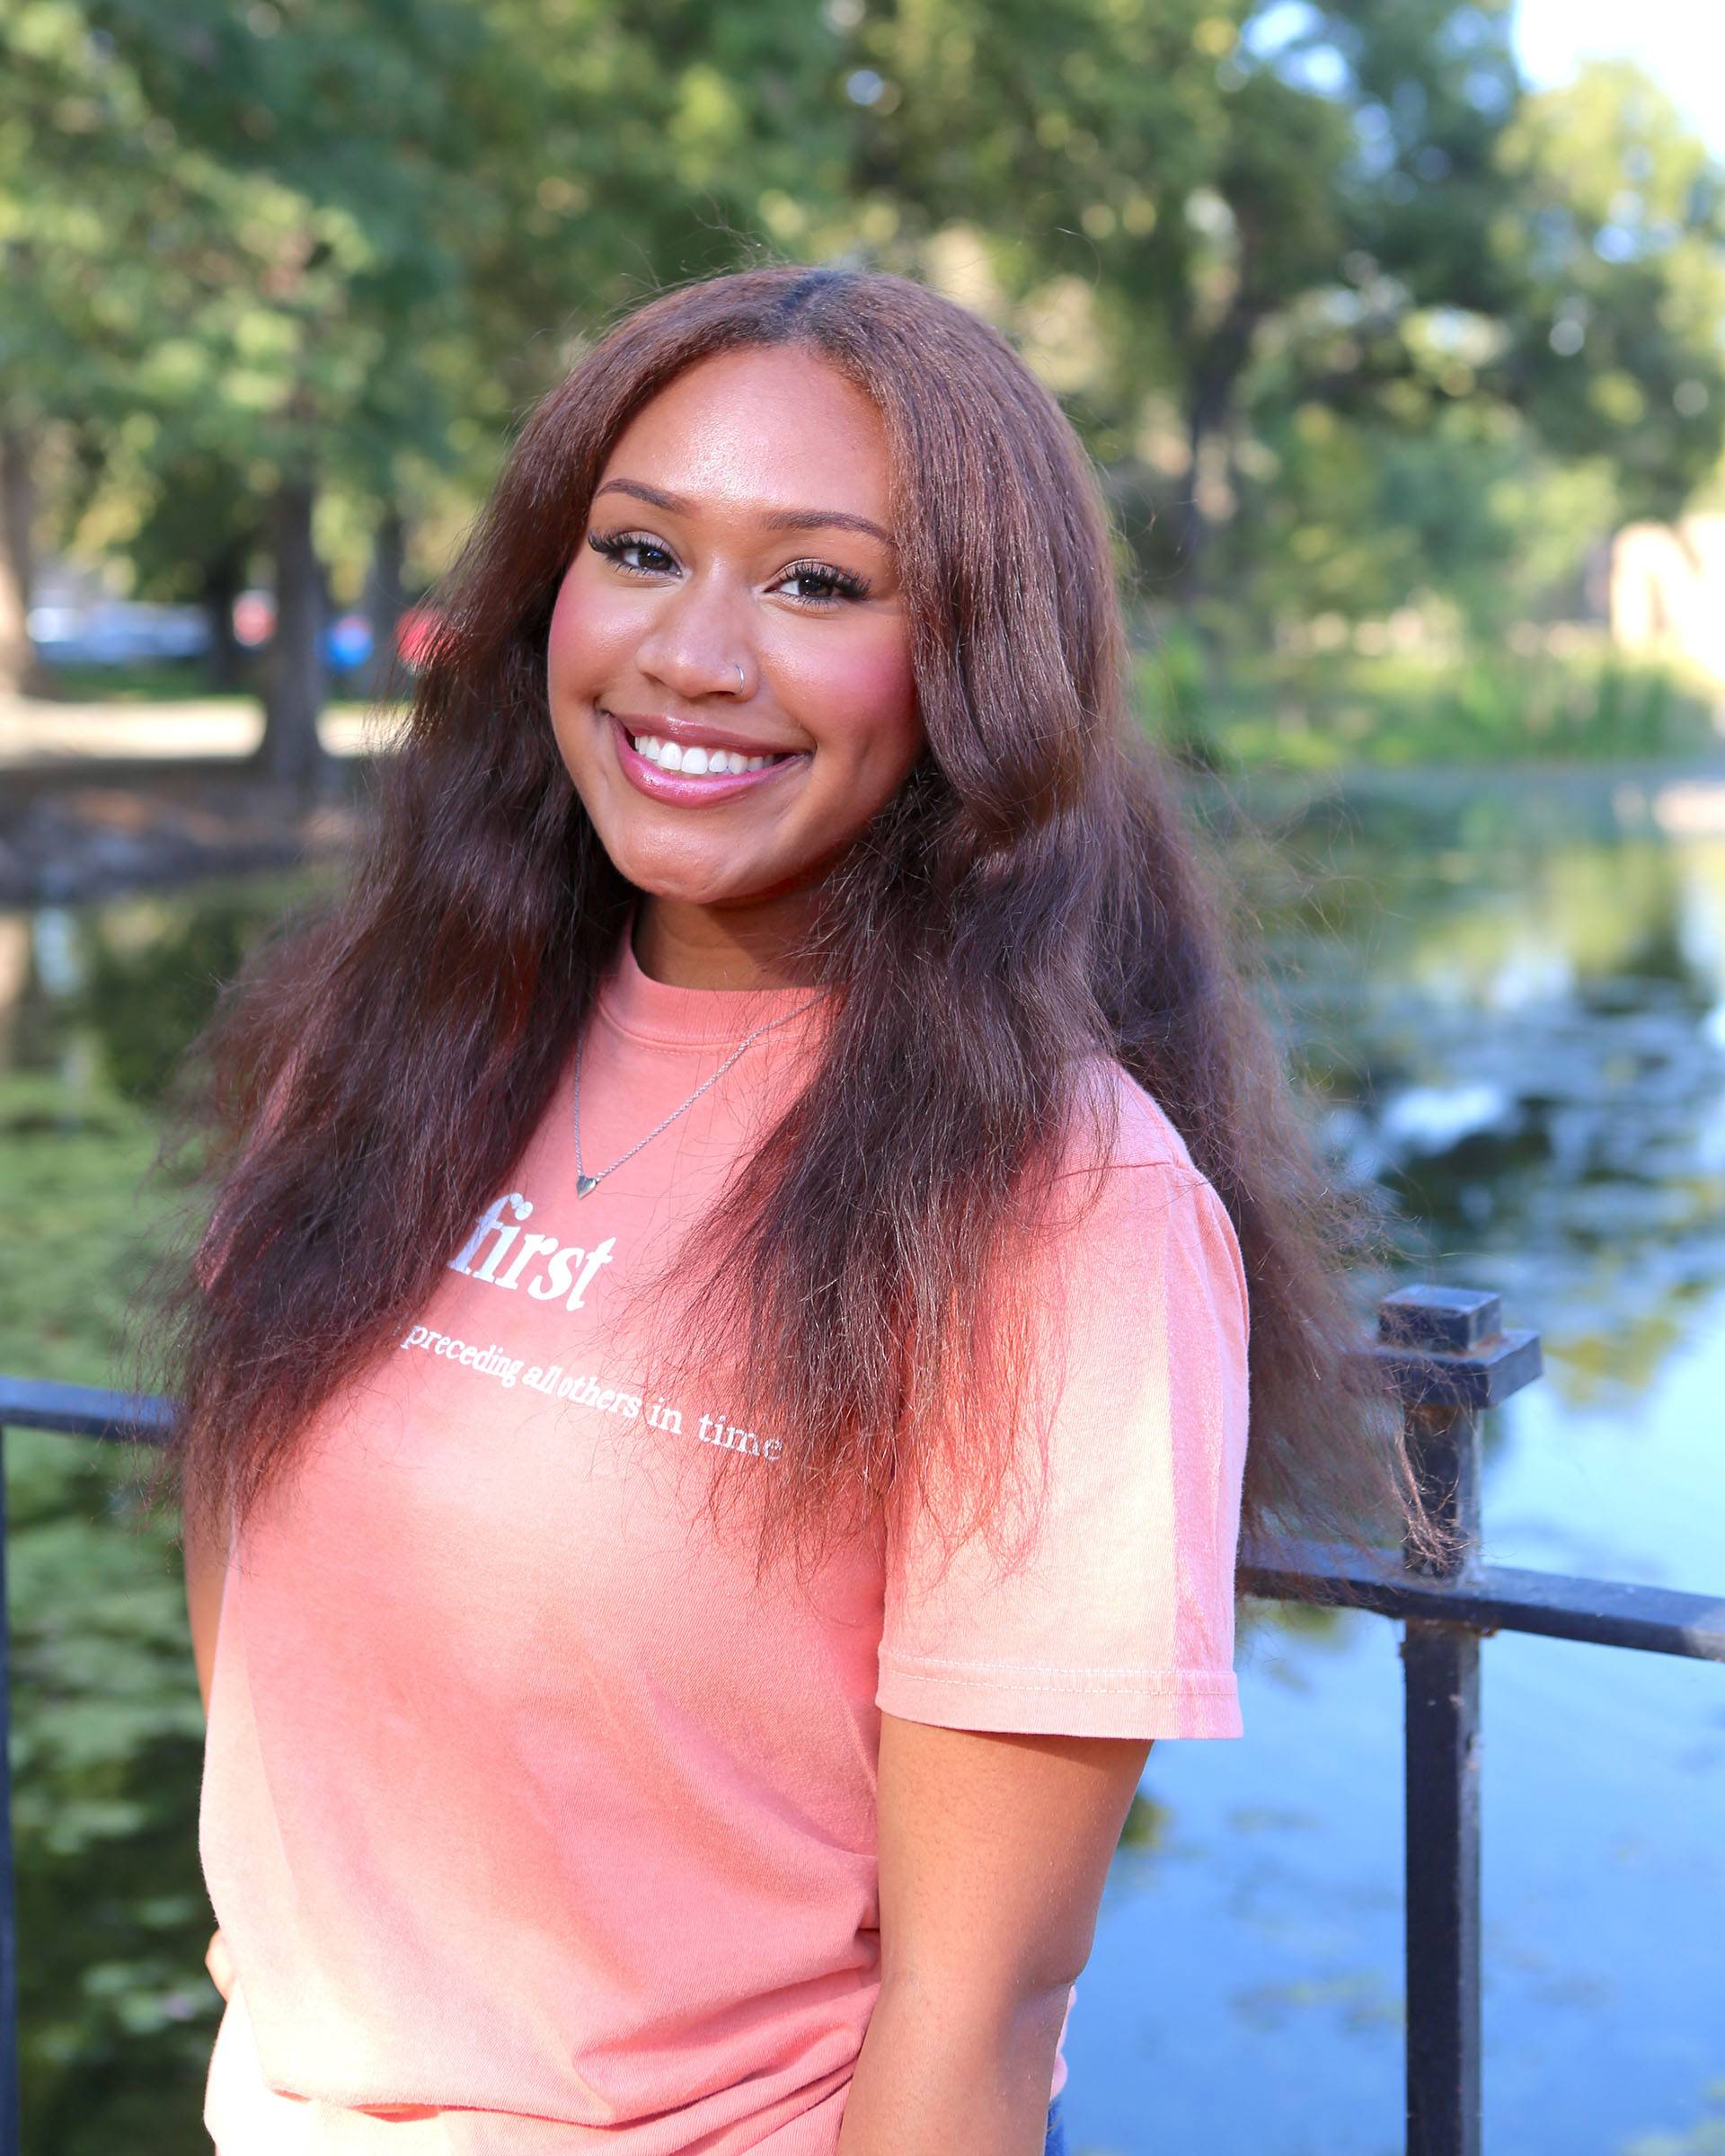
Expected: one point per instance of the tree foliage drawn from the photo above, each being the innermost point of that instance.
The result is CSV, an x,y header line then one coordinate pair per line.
x,y
1340,306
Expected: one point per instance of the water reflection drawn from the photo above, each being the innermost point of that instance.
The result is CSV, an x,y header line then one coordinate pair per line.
x,y
110,995
1512,1007
1520,1040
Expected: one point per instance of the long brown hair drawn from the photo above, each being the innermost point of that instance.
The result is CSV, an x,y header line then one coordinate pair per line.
x,y
1028,899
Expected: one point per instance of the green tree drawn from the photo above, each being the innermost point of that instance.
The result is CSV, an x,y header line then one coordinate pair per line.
x,y
375,235
82,185
1261,212
362,241
1617,247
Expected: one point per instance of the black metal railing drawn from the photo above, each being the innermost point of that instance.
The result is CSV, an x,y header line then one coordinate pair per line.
x,y
1450,1361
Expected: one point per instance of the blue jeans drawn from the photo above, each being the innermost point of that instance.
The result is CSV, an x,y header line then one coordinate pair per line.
x,y
1055,2144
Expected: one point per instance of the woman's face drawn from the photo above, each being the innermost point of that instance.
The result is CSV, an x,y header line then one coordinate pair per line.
x,y
742,522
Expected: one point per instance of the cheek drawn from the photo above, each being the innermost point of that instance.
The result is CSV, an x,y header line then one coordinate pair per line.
x,y
860,701
588,628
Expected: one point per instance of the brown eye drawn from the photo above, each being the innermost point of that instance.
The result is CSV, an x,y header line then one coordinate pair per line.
x,y
614,545
839,583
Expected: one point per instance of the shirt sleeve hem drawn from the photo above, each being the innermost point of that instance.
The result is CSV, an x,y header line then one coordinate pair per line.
x,y
1061,1702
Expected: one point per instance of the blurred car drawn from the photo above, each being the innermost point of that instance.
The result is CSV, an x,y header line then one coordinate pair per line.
x,y
416,636
122,632
113,633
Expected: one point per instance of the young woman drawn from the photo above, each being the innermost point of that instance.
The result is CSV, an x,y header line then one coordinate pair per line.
x,y
714,1429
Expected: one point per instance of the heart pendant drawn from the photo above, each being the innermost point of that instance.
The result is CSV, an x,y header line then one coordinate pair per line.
x,y
584,1183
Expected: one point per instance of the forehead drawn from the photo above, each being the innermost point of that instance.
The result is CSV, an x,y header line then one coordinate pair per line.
x,y
770,428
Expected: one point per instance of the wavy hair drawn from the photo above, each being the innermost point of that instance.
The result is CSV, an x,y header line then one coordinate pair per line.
x,y
1029,899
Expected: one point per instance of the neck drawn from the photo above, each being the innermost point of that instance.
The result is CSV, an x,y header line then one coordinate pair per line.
x,y
689,946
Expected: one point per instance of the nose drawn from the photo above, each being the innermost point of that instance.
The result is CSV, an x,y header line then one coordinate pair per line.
x,y
697,645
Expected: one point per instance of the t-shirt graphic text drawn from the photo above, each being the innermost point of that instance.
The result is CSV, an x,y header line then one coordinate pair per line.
x,y
561,1259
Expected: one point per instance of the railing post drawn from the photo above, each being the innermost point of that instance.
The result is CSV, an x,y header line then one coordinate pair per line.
x,y
1441,1765
1450,1358
9,2112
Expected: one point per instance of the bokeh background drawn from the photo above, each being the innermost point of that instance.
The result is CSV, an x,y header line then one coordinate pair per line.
x,y
1397,329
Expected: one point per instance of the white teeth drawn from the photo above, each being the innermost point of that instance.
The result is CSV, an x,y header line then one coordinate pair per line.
x,y
709,763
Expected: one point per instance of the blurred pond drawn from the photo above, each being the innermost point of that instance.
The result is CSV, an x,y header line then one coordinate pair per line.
x,y
1511,997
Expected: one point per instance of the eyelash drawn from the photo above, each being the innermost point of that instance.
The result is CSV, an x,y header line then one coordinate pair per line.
x,y
846,584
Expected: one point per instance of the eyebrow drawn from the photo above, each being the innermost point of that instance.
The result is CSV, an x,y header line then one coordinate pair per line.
x,y
775,520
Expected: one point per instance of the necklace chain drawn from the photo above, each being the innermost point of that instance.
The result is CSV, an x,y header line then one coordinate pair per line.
x,y
584,1182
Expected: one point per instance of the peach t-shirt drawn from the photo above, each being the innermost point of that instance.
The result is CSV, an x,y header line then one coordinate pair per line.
x,y
531,1825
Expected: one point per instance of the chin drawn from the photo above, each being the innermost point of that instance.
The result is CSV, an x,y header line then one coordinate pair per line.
x,y
688,882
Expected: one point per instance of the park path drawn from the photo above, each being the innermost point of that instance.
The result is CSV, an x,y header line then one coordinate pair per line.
x,y
39,734
107,797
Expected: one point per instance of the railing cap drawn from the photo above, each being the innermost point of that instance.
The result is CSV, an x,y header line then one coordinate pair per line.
x,y
1445,1346
1451,1319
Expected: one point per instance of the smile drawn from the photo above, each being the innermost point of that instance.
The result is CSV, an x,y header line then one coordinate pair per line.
x,y
694,759
694,773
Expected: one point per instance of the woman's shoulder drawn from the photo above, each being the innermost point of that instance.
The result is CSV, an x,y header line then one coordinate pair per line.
x,y
1127,1200
1119,1126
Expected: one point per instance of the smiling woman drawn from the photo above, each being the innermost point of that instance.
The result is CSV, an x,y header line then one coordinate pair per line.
x,y
681,1689
674,648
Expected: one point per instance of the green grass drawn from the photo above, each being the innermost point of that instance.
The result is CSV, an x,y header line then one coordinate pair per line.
x,y
147,681
116,2012
70,1170
175,681
1321,713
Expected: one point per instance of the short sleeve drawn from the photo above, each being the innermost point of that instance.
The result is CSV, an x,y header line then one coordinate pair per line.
x,y
1115,1617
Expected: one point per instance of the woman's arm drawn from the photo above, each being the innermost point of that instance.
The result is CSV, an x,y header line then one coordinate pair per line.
x,y
993,1850
205,1557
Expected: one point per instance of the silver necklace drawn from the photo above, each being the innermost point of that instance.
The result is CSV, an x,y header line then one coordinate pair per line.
x,y
584,1182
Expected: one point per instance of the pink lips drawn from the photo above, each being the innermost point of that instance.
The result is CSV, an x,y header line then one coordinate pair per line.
x,y
683,793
